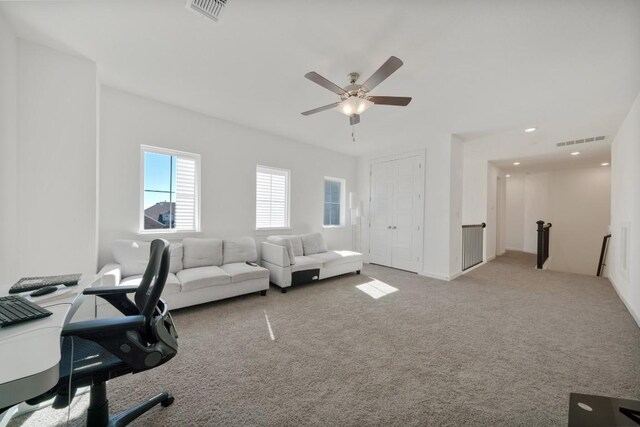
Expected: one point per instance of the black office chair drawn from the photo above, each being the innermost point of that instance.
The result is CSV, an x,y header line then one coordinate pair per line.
x,y
95,351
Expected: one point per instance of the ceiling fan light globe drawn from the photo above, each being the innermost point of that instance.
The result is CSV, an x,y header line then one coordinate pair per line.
x,y
354,105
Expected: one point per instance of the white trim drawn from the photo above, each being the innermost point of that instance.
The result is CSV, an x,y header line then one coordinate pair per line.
x,y
343,187
287,174
435,276
175,153
470,269
422,155
514,249
545,266
635,316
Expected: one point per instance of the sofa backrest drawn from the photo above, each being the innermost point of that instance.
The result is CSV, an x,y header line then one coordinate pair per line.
x,y
313,243
201,252
133,256
239,249
295,240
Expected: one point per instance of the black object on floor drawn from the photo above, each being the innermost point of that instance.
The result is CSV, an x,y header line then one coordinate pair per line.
x,y
586,410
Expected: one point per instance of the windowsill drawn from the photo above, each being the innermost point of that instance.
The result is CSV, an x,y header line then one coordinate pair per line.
x,y
166,231
333,226
268,231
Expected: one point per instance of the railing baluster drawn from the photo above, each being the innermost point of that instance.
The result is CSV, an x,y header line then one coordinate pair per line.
x,y
472,245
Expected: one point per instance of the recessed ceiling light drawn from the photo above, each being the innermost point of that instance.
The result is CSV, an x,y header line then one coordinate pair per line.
x,y
508,176
575,153
516,163
604,164
530,130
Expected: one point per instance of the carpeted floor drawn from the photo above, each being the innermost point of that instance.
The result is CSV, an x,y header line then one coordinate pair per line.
x,y
502,345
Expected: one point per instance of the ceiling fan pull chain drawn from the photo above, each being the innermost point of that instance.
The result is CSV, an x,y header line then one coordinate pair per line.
x,y
353,134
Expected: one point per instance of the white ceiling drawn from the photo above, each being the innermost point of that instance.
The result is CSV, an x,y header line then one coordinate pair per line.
x,y
592,155
474,68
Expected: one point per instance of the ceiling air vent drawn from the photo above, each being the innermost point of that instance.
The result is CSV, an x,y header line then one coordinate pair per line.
x,y
581,141
208,8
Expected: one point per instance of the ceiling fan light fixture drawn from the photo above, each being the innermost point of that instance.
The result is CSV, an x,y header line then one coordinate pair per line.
x,y
354,105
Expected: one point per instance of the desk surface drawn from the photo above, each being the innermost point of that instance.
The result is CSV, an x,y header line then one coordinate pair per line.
x,y
30,351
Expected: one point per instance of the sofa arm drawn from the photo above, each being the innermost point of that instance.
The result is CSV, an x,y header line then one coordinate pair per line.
x,y
275,254
109,275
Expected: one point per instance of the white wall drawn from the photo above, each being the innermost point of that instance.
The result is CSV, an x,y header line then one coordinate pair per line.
x,y
514,215
229,155
442,209
575,201
625,209
56,157
537,206
581,201
8,157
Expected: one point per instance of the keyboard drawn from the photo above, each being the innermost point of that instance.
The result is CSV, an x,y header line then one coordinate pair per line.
x,y
15,309
32,283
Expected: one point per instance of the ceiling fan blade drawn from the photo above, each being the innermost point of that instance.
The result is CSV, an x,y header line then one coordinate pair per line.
x,y
354,119
390,100
317,78
317,110
382,73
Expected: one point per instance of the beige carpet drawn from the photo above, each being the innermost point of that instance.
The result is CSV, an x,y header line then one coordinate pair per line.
x,y
502,345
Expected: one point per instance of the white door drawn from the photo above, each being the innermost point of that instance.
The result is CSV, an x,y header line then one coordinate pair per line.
x,y
396,213
381,213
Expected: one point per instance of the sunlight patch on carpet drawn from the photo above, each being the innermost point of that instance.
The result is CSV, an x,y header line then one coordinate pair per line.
x,y
376,289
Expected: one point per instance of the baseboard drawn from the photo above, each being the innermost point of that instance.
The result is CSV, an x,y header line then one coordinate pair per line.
x,y
473,268
490,259
435,276
546,263
624,301
515,249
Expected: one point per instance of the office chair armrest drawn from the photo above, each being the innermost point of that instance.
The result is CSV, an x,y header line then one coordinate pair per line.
x,y
116,325
111,290
117,297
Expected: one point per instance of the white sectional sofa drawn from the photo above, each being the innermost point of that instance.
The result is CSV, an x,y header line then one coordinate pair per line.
x,y
201,270
294,259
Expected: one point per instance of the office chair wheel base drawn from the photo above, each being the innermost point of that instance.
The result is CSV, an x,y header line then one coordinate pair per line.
x,y
168,401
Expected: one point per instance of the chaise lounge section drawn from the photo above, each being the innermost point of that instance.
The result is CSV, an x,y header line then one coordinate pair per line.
x,y
295,259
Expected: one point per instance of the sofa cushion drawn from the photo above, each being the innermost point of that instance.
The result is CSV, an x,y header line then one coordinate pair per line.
x,y
276,240
175,265
171,286
201,277
240,271
305,263
201,252
296,242
331,258
132,255
239,249
313,243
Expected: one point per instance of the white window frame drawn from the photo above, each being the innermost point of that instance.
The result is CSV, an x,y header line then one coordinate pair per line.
x,y
168,152
287,173
343,210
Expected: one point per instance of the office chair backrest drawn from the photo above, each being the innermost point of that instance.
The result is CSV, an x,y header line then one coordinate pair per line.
x,y
154,278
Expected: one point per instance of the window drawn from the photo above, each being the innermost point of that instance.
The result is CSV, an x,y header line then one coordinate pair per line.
x,y
272,198
170,190
333,202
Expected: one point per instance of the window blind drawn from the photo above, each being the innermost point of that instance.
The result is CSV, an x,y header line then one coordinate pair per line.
x,y
272,198
186,202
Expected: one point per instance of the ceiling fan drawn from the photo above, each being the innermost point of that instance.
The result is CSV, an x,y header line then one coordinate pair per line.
x,y
354,98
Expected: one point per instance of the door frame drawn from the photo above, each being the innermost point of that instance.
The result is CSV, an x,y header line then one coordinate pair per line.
x,y
421,180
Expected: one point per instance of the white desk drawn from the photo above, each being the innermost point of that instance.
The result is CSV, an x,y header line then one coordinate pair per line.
x,y
30,351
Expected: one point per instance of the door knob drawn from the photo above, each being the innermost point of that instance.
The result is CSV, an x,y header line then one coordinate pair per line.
x,y
389,227
394,227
